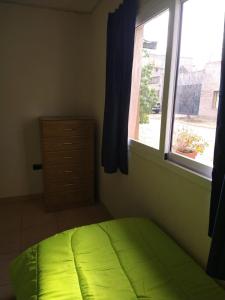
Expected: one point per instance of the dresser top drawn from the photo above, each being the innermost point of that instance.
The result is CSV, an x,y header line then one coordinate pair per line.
x,y
64,118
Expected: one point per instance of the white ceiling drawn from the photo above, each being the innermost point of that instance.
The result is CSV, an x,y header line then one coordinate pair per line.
x,y
82,6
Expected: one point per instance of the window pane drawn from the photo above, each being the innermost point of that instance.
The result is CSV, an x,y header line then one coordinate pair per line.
x,y
148,78
198,82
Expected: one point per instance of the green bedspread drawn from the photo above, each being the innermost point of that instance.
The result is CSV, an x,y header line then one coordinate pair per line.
x,y
122,259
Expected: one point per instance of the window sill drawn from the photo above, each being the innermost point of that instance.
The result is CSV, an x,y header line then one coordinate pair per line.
x,y
155,156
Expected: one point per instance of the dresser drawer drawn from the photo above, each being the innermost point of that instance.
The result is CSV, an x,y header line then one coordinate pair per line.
x,y
79,128
66,143
69,157
67,172
75,185
68,181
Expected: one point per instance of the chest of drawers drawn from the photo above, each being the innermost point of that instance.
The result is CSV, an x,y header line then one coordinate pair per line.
x,y
68,161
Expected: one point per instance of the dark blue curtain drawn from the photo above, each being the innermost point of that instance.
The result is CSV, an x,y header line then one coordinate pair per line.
x,y
216,261
120,46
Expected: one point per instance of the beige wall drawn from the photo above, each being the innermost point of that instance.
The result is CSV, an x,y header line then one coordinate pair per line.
x,y
179,202
44,70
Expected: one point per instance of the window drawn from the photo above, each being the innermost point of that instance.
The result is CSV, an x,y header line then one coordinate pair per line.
x,y
198,76
147,87
192,69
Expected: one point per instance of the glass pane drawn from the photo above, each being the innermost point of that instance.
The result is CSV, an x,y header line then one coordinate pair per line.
x,y
148,79
198,82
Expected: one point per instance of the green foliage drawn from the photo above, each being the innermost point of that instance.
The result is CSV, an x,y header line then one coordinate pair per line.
x,y
148,96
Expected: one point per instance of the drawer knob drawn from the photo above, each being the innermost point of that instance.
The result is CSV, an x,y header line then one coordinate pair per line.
x,y
68,171
67,157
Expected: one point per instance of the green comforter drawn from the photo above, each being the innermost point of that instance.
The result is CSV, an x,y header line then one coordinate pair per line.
x,y
122,259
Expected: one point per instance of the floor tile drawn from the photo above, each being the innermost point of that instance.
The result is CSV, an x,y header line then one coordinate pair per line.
x,y
34,214
10,240
5,261
81,216
6,293
10,215
98,213
35,234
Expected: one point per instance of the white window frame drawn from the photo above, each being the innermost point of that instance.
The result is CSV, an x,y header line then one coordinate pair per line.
x,y
147,11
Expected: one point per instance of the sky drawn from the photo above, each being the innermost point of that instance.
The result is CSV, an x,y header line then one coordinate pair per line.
x,y
202,31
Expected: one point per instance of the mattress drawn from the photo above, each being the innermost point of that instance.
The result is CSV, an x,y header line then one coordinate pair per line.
x,y
120,259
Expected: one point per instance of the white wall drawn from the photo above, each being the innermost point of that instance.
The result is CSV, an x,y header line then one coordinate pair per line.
x,y
173,198
44,70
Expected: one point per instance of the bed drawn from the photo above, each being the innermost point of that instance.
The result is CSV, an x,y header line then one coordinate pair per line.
x,y
122,259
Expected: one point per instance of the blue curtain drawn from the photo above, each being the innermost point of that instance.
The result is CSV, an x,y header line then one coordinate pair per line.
x,y
120,46
216,261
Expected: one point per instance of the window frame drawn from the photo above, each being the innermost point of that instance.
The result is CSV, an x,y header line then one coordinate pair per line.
x,y
190,164
215,102
148,11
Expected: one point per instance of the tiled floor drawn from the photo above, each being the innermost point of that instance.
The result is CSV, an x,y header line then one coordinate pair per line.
x,y
25,223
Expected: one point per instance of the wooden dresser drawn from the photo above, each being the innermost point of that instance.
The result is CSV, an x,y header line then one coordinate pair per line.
x,y
68,161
